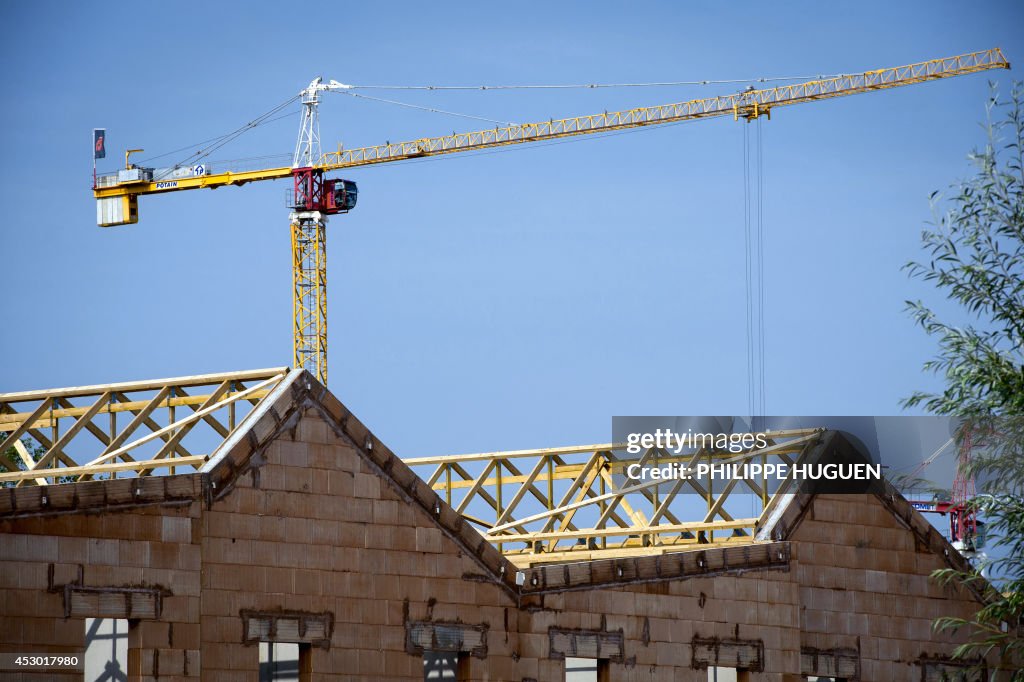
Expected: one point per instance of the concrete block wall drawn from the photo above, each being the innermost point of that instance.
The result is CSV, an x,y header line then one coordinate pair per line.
x,y
864,584
660,621
318,529
145,548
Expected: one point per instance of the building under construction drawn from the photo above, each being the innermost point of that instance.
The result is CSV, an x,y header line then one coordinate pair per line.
x,y
247,526
222,520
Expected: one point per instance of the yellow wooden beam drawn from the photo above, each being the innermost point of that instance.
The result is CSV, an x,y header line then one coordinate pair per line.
x,y
15,419
615,532
93,469
150,385
526,558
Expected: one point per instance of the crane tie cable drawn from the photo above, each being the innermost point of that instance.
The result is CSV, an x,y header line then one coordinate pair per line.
x,y
592,86
422,108
221,140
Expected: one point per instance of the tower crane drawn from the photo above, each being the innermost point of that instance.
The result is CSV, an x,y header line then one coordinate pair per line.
x,y
966,530
314,196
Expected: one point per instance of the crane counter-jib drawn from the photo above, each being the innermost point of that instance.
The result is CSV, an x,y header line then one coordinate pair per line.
x,y
117,201
117,194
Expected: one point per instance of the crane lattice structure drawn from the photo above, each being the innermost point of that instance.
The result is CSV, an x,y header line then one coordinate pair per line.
x,y
315,197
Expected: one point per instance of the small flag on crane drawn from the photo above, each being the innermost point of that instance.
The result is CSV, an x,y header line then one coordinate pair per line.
x,y
99,136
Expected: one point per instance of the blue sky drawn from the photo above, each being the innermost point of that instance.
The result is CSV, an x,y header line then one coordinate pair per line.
x,y
509,300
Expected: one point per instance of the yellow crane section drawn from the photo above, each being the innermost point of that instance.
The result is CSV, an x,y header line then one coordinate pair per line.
x,y
749,104
315,198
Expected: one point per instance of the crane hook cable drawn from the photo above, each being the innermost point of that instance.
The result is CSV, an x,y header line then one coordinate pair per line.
x,y
760,260
753,237
748,297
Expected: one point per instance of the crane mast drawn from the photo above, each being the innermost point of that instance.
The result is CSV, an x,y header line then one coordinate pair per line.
x,y
309,299
315,197
309,244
